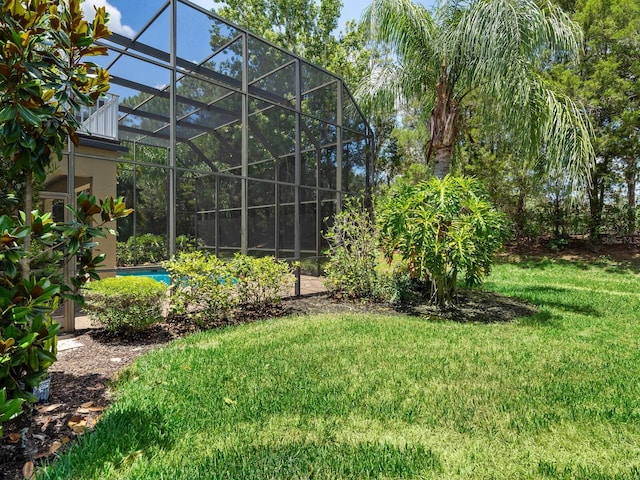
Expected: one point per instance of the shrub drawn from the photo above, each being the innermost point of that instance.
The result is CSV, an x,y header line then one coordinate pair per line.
x,y
205,289
260,281
201,287
146,248
442,229
188,244
399,288
124,254
150,248
9,408
351,268
125,304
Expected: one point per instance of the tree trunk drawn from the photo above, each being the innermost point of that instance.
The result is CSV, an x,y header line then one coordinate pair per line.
x,y
631,175
443,127
557,213
520,217
596,197
443,161
28,206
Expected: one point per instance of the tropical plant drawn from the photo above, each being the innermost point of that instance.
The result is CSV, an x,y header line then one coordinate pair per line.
x,y
125,304
353,244
442,229
491,51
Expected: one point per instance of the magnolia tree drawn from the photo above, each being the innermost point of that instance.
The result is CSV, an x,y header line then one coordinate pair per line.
x,y
44,80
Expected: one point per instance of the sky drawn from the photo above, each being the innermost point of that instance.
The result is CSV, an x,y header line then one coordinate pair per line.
x,y
127,16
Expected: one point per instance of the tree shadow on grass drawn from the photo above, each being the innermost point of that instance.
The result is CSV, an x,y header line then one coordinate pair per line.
x,y
477,306
278,459
75,406
577,471
545,263
607,264
622,268
323,460
540,319
119,439
567,307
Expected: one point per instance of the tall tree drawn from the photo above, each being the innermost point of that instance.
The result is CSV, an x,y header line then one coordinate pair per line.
x,y
606,81
490,50
304,27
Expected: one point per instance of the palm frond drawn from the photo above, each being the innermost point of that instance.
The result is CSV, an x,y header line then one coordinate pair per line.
x,y
566,137
405,25
493,34
495,49
406,31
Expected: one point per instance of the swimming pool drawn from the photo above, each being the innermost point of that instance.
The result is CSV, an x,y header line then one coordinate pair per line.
x,y
159,274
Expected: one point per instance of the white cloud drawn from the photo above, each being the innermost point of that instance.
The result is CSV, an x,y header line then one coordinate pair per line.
x,y
115,17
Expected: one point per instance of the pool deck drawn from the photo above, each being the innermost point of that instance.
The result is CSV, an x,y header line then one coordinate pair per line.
x,y
308,286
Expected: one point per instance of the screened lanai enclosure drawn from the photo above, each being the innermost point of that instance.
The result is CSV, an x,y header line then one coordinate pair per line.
x,y
224,140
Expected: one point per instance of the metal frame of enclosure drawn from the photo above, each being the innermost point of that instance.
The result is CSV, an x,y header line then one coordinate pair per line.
x,y
230,139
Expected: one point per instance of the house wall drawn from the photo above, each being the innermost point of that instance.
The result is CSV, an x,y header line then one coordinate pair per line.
x,y
95,170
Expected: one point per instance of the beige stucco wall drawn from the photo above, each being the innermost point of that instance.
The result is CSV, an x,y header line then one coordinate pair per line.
x,y
95,168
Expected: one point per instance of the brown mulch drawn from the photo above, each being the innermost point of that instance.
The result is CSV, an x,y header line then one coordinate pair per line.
x,y
80,378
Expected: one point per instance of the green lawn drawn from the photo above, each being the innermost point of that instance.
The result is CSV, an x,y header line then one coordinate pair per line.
x,y
377,397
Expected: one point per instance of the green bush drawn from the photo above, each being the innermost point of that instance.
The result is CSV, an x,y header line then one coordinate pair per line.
x,y
260,281
9,408
442,229
150,248
205,289
353,243
201,287
146,248
125,304
188,244
399,288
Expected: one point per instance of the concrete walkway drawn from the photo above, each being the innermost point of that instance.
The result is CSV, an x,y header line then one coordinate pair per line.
x,y
311,285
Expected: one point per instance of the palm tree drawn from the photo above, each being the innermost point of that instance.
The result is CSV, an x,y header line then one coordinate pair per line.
x,y
491,51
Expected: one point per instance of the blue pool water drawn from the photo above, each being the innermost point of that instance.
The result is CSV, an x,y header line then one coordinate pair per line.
x,y
158,274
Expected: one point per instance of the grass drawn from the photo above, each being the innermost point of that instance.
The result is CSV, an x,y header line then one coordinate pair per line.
x,y
378,397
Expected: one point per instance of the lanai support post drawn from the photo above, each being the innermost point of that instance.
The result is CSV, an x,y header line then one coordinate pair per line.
x,y
298,173
173,111
69,321
244,201
339,147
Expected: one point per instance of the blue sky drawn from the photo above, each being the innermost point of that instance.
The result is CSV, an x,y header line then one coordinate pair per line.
x,y
128,16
